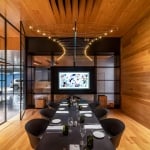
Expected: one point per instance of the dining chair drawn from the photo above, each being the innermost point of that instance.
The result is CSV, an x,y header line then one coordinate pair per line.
x,y
53,105
47,113
93,105
100,113
114,128
35,129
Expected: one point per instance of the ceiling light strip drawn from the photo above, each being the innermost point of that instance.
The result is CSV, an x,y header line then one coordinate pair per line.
x,y
53,39
64,52
98,38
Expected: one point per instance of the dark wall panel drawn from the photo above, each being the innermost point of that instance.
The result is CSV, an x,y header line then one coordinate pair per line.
x,y
42,46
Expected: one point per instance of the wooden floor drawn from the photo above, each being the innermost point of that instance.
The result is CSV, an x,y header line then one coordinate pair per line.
x,y
14,137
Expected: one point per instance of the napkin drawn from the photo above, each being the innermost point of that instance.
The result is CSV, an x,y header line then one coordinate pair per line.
x,y
84,106
83,112
74,147
62,112
55,127
93,126
81,104
63,104
61,108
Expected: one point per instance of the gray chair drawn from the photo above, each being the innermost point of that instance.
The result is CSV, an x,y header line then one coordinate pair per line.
x,y
114,128
47,113
100,113
35,129
93,105
53,105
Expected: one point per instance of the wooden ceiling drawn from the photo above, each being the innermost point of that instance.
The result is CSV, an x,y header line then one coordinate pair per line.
x,y
93,17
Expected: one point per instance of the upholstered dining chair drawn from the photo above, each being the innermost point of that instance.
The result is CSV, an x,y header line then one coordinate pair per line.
x,y
47,113
35,129
53,105
100,113
114,128
93,105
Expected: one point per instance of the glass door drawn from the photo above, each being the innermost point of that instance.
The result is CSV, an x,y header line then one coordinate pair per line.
x,y
12,64
2,73
13,71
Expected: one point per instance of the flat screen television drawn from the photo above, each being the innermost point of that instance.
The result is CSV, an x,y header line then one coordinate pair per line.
x,y
73,80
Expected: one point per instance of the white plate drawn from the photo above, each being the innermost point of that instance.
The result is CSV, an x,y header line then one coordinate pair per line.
x,y
61,108
56,121
88,115
99,134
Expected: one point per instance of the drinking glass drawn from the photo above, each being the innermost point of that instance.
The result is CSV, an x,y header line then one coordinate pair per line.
x,y
78,116
70,123
82,133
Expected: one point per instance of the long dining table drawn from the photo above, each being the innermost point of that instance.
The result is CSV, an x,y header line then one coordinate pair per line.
x,y
53,138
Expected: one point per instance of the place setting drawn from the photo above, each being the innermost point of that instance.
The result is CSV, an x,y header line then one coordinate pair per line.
x,y
62,112
85,112
88,115
92,126
98,134
61,108
55,125
56,121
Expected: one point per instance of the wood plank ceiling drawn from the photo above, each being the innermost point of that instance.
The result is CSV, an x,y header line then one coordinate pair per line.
x,y
57,17
94,18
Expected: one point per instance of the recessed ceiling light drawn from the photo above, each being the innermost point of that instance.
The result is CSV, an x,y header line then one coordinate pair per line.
x,y
30,27
105,33
111,30
38,30
44,34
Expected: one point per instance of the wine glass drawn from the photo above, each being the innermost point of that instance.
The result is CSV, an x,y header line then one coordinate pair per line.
x,y
70,123
82,133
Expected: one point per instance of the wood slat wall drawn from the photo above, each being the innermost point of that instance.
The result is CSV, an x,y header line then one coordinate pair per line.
x,y
135,72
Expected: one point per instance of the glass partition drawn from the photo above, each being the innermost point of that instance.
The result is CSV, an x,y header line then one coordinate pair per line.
x,y
13,71
108,78
2,72
12,91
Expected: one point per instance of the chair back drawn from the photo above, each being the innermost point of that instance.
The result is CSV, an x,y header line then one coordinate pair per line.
x,y
94,105
35,128
101,113
114,128
53,105
47,113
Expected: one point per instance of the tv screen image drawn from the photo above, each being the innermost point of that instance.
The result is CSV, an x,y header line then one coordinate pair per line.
x,y
74,80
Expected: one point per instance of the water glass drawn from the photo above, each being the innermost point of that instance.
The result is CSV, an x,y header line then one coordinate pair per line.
x,y
82,133
70,123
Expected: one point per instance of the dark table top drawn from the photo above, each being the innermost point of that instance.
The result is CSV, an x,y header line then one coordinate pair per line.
x,y
55,140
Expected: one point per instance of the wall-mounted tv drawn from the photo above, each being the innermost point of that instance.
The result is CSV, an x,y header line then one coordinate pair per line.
x,y
73,80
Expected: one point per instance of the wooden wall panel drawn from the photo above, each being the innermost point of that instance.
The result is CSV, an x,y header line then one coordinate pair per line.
x,y
13,43
135,72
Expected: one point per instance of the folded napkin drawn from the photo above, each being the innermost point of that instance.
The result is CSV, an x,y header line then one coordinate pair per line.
x,y
83,104
74,147
62,112
61,108
93,126
55,127
83,112
63,104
